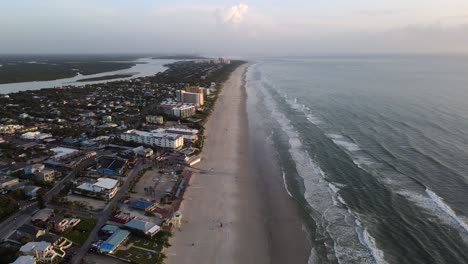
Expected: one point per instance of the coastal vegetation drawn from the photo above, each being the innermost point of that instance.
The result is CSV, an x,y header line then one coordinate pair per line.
x,y
180,57
107,77
26,69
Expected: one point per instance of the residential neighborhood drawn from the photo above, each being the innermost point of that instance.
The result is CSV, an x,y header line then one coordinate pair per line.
x,y
102,169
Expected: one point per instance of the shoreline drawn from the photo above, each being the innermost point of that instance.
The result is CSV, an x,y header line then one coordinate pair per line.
x,y
237,210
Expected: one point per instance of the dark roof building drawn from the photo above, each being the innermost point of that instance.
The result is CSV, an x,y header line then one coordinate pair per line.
x,y
141,204
112,166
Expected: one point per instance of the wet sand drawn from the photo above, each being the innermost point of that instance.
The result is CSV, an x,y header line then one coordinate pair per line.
x,y
237,210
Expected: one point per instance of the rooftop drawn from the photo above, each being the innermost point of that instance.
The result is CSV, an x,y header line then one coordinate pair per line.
x,y
24,260
143,225
151,134
35,246
60,152
114,241
111,163
43,214
140,204
106,183
102,183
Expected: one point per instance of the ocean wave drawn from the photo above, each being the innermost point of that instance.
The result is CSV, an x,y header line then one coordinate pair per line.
x,y
355,151
294,104
341,141
286,184
447,209
333,219
376,252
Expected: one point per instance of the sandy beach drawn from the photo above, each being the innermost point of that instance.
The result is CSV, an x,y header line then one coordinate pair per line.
x,y
236,210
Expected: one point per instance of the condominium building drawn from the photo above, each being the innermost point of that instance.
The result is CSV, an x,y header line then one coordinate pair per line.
x,y
189,135
178,109
198,89
154,119
188,97
153,139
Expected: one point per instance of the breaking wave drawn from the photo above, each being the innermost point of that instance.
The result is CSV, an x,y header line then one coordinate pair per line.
x,y
447,209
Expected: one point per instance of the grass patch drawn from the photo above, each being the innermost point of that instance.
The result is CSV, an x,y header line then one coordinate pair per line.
x,y
143,243
140,256
81,232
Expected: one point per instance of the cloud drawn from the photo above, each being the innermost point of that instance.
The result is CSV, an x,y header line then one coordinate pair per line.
x,y
232,15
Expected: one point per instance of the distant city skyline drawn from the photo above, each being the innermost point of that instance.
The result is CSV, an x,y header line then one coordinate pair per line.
x,y
247,28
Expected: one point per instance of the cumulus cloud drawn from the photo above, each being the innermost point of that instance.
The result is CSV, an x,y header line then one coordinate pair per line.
x,y
233,15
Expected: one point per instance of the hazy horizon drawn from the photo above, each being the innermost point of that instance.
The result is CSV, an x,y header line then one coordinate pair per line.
x,y
234,29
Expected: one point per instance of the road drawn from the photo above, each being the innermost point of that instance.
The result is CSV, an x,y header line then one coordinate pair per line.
x,y
24,214
103,216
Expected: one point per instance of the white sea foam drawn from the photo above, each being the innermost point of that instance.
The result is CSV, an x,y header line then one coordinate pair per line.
x,y
447,209
286,184
354,149
376,252
304,109
313,119
437,210
341,141
332,218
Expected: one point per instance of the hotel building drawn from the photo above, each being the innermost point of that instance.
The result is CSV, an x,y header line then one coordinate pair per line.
x,y
154,139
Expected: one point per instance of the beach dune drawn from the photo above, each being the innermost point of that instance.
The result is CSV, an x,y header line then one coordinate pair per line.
x,y
232,212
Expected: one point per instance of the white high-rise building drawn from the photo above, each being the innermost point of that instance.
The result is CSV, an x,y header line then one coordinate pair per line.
x,y
190,98
154,139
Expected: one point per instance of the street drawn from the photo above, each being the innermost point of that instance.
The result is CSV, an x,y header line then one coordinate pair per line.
x,y
103,216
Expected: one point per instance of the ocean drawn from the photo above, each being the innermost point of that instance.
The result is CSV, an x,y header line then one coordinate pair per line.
x,y
374,149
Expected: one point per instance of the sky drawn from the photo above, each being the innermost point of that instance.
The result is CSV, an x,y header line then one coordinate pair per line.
x,y
247,28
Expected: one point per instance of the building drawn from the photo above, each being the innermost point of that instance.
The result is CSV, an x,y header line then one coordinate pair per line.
x,y
148,228
141,204
107,118
35,135
34,168
154,119
121,218
42,215
114,241
112,166
103,188
10,129
42,251
194,89
31,191
188,97
63,153
198,89
189,135
25,260
153,139
65,224
7,181
178,109
184,111
24,116
144,152
46,175
25,231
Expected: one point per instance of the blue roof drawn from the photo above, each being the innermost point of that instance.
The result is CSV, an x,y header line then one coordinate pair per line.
x,y
140,204
50,162
114,241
